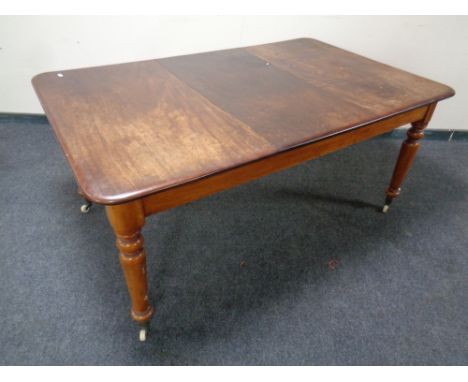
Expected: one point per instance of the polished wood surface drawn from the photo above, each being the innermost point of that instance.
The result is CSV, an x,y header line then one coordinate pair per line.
x,y
188,192
132,130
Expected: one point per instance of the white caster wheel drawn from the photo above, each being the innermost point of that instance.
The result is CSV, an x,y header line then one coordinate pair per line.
x,y
385,208
85,208
142,335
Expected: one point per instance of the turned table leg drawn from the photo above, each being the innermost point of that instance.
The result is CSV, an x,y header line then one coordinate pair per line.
x,y
127,220
407,153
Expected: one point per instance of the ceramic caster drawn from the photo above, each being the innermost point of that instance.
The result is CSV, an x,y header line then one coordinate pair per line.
x,y
85,208
143,334
385,208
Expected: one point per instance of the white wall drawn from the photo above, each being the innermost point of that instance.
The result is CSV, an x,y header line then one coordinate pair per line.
x,y
432,46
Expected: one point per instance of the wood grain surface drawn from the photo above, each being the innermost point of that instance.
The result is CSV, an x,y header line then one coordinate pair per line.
x,y
131,130
200,188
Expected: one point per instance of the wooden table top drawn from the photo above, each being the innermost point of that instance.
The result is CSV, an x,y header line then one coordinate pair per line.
x,y
133,129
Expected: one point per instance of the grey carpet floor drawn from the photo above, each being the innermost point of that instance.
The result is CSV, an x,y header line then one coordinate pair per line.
x,y
397,295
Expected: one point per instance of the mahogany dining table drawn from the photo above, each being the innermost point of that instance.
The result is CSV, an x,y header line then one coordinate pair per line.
x,y
143,137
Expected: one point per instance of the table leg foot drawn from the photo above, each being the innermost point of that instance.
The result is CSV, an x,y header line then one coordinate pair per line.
x,y
143,333
386,206
86,207
87,204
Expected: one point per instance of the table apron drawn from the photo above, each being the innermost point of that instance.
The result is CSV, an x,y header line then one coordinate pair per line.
x,y
211,184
